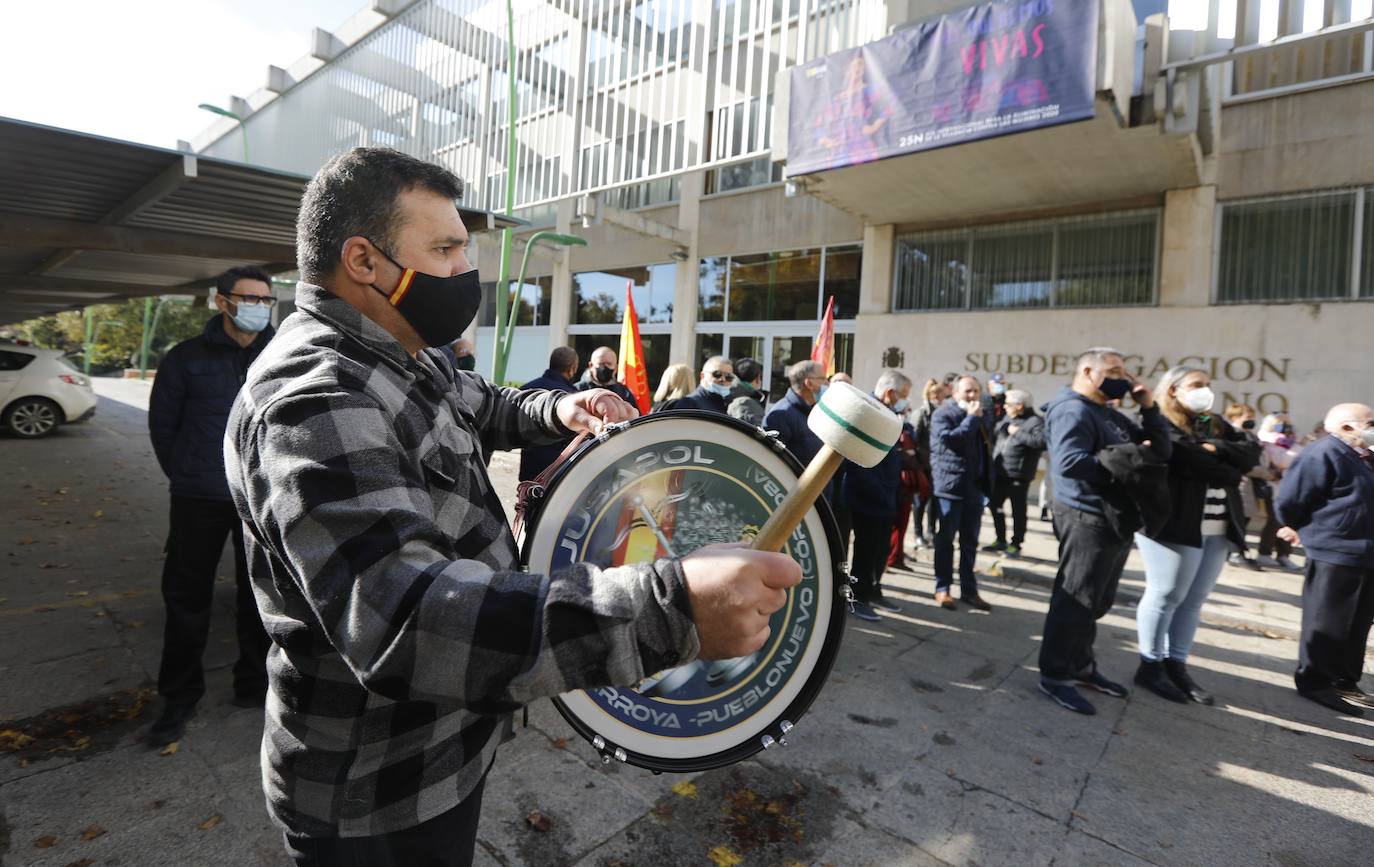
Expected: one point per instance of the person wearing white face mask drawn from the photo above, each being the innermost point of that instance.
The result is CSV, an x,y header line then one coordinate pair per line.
x,y
188,412
1328,497
717,381
1184,557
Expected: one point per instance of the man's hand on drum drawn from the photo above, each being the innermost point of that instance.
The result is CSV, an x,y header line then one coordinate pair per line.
x,y
734,590
593,409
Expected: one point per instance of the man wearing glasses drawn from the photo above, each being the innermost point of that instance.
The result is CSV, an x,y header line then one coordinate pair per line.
x,y
717,381
193,392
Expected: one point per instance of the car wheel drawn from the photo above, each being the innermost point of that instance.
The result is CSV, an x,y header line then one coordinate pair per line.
x,y
32,417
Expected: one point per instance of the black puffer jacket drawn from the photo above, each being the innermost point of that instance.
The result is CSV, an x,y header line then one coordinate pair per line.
x,y
1017,454
193,391
1193,469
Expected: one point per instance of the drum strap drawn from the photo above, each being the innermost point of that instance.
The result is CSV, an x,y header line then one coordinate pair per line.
x,y
536,486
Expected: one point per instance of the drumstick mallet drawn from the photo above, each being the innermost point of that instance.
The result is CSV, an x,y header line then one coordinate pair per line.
x,y
851,424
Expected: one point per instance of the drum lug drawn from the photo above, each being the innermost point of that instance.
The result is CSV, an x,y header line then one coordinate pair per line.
x,y
848,592
607,431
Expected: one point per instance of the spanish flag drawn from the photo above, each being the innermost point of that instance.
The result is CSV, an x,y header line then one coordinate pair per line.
x,y
631,371
824,348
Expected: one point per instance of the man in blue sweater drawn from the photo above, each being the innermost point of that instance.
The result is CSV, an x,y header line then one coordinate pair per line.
x,y
1091,553
1327,496
188,411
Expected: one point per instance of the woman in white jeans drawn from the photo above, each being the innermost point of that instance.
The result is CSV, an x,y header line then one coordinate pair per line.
x,y
1184,558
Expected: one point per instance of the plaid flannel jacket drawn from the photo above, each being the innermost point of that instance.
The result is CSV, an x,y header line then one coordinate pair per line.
x,y
403,630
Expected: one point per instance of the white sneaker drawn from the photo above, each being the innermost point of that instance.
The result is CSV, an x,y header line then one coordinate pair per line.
x,y
1285,563
1267,562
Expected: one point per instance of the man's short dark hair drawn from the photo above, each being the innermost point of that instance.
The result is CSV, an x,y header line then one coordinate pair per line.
x,y
562,358
747,369
355,194
224,283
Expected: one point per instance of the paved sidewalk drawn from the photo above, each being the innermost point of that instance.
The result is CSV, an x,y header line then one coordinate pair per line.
x,y
930,744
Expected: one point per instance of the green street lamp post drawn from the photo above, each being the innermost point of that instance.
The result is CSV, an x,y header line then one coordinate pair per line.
x,y
506,335
507,237
224,112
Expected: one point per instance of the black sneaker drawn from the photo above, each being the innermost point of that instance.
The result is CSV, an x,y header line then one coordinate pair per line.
x,y
864,611
882,603
1329,697
1013,551
1151,675
171,725
1101,684
1177,672
996,546
975,601
1067,697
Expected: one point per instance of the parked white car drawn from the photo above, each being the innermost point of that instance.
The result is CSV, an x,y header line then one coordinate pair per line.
x,y
39,390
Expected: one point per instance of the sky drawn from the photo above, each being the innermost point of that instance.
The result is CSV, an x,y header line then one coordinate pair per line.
x,y
137,69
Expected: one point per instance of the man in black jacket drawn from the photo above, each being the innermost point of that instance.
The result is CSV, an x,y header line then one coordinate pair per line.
x,y
717,382
192,394
562,365
600,373
1018,444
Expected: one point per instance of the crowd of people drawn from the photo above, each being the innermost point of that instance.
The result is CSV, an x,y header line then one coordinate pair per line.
x,y
387,628
1180,483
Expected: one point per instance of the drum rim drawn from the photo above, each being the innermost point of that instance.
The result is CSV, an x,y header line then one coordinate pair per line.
x,y
830,647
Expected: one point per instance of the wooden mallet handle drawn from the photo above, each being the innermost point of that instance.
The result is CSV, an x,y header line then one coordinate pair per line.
x,y
792,510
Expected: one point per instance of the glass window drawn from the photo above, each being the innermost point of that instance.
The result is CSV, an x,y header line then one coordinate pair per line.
x,y
842,268
743,175
1106,263
1292,249
536,298
711,289
775,286
1367,249
708,346
931,272
600,295
1096,261
1013,269
14,360
786,352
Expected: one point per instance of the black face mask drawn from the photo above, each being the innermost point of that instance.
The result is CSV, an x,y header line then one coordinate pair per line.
x,y
467,362
438,308
604,375
1248,425
1115,389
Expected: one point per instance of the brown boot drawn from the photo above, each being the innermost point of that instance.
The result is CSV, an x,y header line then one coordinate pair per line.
x,y
945,600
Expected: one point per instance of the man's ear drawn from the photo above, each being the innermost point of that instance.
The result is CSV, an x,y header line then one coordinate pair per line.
x,y
358,261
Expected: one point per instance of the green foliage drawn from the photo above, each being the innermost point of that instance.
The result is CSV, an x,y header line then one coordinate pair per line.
x,y
119,330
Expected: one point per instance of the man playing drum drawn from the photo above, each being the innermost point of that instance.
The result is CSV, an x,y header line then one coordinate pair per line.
x,y
403,631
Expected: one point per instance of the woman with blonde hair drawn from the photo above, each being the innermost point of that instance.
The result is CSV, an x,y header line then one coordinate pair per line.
x,y
677,381
1184,557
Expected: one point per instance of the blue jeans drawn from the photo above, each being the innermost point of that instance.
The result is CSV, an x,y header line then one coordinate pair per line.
x,y
1178,579
964,517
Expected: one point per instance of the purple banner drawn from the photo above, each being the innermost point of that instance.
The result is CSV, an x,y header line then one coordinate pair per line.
x,y
990,70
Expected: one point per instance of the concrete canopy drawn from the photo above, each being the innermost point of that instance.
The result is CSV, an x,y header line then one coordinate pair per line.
x,y
86,219
1090,162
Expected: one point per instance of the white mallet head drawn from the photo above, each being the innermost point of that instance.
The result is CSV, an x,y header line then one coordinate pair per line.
x,y
855,424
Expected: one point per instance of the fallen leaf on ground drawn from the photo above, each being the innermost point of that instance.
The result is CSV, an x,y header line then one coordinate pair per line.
x,y
78,593
45,842
686,789
92,832
27,540
83,862
1036,760
560,743
210,822
98,513
1078,815
724,856
538,821
171,749
1364,757
13,740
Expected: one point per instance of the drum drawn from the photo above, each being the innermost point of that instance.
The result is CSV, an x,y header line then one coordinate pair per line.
x,y
664,485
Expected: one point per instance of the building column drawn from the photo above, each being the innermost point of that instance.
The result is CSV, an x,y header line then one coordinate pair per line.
x,y
686,289
1187,234
561,304
875,277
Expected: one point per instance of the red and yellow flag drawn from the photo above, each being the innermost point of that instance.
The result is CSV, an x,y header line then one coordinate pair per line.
x,y
824,348
631,371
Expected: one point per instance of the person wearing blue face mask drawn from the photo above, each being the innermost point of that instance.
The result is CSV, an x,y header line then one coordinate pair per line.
x,y
717,382
193,391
